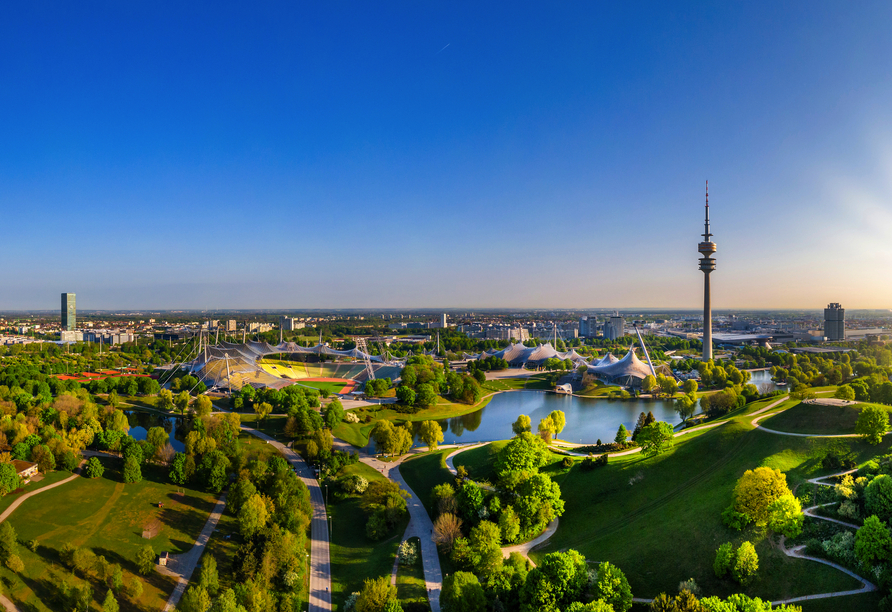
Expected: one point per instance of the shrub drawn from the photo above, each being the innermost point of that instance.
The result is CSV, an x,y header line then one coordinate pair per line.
x,y
746,564
567,462
724,560
407,553
351,417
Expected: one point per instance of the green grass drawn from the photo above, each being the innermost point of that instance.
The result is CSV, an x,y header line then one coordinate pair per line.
x,y
424,472
816,419
479,461
410,584
637,511
357,434
51,478
532,381
273,425
109,517
322,385
354,557
850,603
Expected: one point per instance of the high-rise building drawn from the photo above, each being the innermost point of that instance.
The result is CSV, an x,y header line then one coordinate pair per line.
x,y
707,265
69,312
443,323
583,327
835,322
231,325
614,327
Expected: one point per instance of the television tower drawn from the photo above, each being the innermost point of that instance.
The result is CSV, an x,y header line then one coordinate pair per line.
x,y
707,265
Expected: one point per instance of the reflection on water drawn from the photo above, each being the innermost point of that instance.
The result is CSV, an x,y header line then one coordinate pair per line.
x,y
141,422
763,382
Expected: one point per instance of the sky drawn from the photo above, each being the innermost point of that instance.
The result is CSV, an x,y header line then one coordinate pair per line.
x,y
162,155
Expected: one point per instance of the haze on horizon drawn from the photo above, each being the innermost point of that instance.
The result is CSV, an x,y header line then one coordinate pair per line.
x,y
436,155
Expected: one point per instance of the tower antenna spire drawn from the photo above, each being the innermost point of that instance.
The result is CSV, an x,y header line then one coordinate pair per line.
x,y
707,249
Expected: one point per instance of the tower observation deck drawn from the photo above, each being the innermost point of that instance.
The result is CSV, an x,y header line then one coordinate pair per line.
x,y
707,264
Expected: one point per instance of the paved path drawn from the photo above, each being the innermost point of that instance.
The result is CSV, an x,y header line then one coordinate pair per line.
x,y
450,466
759,416
320,561
182,566
525,548
419,522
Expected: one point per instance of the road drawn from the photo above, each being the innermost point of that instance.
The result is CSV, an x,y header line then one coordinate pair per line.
x,y
320,560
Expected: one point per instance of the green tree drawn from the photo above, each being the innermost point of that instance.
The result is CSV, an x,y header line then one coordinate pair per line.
x,y
547,428
195,599
785,516
509,524
845,392
612,587
262,410
690,386
878,497
756,490
9,478
462,593
209,579
426,396
559,420
486,553
375,595
558,580
648,383
135,588
873,544
253,516
622,434
524,452
685,406
655,438
132,471
431,434
110,604
746,564
157,437
872,424
181,401
521,425
405,395
203,406
145,560
94,468
334,413
9,541
724,560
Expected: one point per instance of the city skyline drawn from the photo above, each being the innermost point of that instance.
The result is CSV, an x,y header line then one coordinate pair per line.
x,y
442,157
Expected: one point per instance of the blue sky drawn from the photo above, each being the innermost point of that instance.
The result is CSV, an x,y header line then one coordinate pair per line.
x,y
406,154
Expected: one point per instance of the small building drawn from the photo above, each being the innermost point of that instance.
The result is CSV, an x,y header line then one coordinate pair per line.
x,y
25,469
163,558
564,389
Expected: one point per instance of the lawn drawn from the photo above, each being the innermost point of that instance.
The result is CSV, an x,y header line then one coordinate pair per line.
x,y
354,557
426,471
357,434
51,478
108,517
816,419
323,385
636,510
410,584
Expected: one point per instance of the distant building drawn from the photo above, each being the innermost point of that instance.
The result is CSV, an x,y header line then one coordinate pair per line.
x,y
614,327
587,327
443,322
69,312
834,322
71,336
290,324
231,325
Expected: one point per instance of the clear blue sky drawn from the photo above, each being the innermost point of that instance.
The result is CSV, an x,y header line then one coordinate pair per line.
x,y
442,154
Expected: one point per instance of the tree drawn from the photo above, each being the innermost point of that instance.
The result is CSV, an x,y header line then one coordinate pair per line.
x,y
622,434
94,468
756,490
486,553
873,544
724,560
15,563
655,438
135,588
9,541
110,604
9,478
405,395
690,386
333,413
648,383
431,434
462,593
145,560
44,458
262,410
878,497
845,392
181,401
209,579
559,579
132,471
447,528
873,422
524,452
426,396
547,428
785,516
253,516
521,425
746,564
509,524
196,599
685,406
203,406
612,587
559,420
375,595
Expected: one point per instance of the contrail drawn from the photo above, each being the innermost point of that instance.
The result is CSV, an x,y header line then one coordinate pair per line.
x,y
443,49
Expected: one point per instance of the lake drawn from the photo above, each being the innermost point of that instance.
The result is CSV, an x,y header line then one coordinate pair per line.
x,y
142,421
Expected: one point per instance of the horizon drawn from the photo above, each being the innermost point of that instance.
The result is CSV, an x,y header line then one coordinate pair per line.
x,y
416,155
